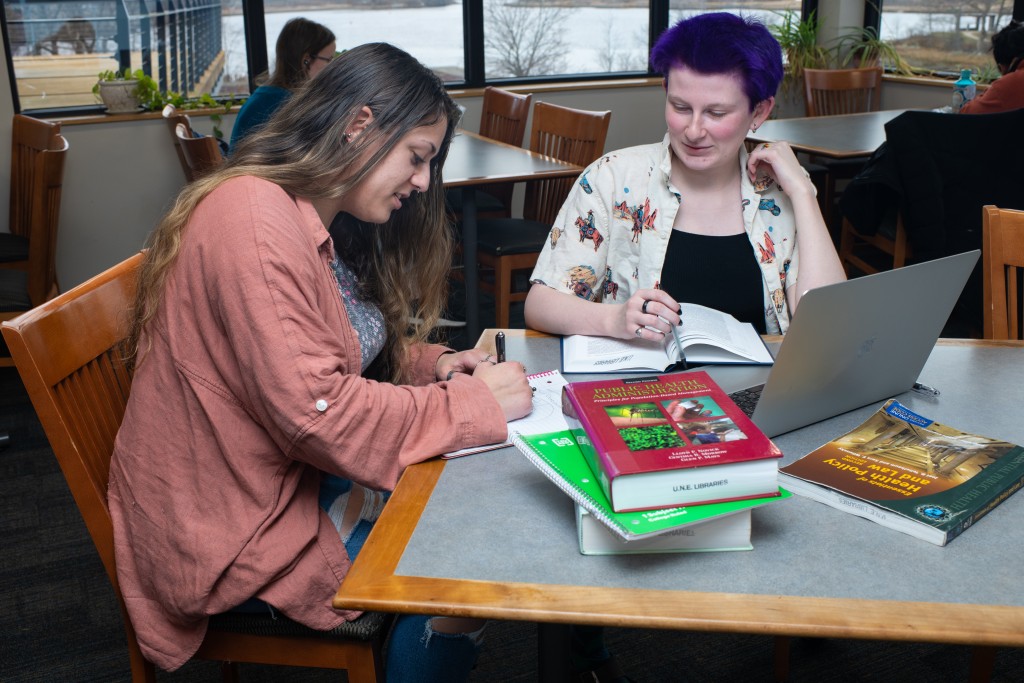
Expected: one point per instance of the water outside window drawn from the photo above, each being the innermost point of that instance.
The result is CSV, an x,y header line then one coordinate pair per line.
x,y
59,46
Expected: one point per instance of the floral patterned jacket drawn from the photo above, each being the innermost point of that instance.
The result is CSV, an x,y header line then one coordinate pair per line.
x,y
611,234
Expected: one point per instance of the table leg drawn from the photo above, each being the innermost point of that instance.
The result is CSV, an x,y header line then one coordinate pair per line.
x,y
553,645
470,272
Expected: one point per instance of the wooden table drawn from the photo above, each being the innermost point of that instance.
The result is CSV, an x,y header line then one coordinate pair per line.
x,y
489,536
473,161
837,137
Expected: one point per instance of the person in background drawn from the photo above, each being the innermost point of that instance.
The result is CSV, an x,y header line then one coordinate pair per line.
x,y
694,218
1006,93
303,49
280,386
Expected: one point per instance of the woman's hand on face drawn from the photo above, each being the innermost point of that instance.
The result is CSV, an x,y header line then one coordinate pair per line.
x,y
778,161
648,314
461,361
509,386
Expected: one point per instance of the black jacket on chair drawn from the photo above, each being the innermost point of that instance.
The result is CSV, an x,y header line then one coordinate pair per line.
x,y
939,170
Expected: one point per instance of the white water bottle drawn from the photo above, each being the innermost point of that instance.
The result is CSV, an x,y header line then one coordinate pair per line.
x,y
963,90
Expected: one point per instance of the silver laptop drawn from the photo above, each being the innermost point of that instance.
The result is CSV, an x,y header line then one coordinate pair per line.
x,y
859,341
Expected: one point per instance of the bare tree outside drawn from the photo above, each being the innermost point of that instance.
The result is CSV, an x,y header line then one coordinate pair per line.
x,y
525,40
617,55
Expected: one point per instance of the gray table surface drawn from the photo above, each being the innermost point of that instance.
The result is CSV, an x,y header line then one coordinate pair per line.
x,y
494,517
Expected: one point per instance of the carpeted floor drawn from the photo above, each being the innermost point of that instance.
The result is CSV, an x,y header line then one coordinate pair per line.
x,y
59,620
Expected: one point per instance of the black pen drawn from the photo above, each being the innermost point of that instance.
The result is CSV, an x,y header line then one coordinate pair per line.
x,y
499,346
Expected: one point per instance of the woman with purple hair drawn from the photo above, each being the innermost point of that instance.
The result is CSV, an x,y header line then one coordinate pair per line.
x,y
694,218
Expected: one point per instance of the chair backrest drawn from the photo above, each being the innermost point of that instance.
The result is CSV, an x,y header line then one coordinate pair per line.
x,y
201,154
503,119
842,91
43,222
504,115
574,136
1002,255
68,353
29,137
173,118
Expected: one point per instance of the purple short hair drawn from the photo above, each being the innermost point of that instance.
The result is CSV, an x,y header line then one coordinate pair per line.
x,y
718,43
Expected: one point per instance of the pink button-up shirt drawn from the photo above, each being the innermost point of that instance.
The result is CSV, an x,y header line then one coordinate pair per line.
x,y
249,384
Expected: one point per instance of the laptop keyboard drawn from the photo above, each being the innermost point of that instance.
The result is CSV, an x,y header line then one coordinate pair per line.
x,y
747,399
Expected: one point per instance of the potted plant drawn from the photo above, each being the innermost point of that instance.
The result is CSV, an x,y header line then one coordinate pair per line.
x,y
856,47
127,91
861,47
799,41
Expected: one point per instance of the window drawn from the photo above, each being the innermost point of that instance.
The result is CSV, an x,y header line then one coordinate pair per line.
x,y
945,36
57,47
546,38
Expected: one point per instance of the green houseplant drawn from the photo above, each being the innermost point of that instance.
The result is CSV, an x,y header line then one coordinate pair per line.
x,y
126,91
856,47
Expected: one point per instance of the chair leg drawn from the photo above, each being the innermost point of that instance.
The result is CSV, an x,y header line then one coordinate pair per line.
x,y
229,672
782,647
983,659
367,666
502,293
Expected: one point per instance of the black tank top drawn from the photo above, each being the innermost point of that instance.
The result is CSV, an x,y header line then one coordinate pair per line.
x,y
719,272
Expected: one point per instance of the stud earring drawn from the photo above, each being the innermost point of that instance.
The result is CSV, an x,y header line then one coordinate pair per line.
x,y
305,62
348,137
753,129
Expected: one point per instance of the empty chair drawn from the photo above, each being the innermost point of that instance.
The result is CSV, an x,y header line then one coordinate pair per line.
x,y
79,384
21,290
201,154
503,119
173,118
29,137
509,244
1002,257
830,92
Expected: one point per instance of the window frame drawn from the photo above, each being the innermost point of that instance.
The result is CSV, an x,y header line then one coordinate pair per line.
x,y
257,52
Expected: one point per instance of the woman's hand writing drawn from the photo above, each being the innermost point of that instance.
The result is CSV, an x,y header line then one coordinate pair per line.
x,y
509,386
648,314
460,361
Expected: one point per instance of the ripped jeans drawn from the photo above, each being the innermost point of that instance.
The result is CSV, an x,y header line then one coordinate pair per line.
x,y
415,651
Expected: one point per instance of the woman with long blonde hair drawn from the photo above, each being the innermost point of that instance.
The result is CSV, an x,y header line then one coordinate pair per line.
x,y
280,384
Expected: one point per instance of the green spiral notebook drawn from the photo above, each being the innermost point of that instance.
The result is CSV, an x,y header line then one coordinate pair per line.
x,y
560,459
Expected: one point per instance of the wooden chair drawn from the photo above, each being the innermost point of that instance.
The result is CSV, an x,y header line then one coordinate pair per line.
x,y
68,352
852,242
1002,258
29,137
830,92
173,118
21,290
503,119
510,244
201,154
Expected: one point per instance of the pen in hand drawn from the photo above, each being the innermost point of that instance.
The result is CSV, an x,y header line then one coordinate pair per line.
x,y
499,346
499,351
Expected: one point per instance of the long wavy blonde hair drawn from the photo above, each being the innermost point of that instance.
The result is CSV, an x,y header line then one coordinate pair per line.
x,y
403,264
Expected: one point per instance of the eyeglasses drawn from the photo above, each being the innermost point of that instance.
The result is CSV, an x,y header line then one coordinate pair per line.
x,y
326,59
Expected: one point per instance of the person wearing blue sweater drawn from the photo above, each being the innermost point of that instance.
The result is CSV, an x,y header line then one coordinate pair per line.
x,y
303,49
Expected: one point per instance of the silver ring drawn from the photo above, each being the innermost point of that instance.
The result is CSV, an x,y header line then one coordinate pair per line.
x,y
643,309
639,331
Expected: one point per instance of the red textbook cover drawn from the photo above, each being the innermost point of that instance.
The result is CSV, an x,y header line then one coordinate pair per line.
x,y
669,440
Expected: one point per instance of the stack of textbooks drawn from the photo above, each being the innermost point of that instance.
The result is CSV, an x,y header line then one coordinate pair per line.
x,y
666,463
